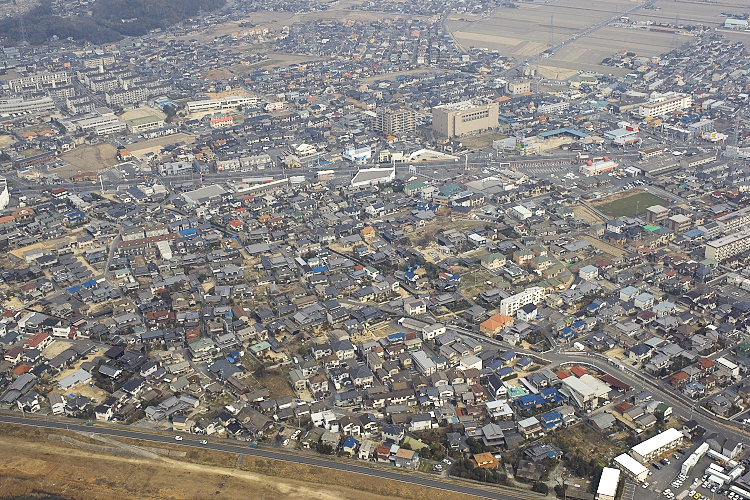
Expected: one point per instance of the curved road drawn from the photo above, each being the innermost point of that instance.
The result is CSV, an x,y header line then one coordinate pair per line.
x,y
415,478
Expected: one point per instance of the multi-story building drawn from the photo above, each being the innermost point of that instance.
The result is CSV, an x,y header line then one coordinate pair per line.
x,y
533,295
39,81
554,107
728,246
451,120
397,122
657,445
520,87
734,221
124,97
679,223
26,105
144,123
223,103
663,104
101,125
656,214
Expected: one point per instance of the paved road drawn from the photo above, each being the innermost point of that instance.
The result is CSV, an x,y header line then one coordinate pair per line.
x,y
415,478
681,405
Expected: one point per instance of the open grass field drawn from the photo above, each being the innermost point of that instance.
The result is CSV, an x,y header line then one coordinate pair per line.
x,y
31,463
630,205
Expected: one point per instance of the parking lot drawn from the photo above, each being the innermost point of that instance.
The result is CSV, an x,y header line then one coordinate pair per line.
x,y
670,484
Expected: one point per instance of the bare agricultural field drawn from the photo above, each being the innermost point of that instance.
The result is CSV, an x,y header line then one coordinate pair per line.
x,y
31,464
87,159
142,112
532,28
586,53
155,145
6,140
690,11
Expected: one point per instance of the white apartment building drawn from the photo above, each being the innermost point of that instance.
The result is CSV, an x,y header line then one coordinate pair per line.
x,y
124,97
40,80
663,104
101,125
728,246
26,105
223,103
533,295
555,107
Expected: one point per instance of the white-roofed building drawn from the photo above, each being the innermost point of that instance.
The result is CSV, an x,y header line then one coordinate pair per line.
x,y
587,392
204,194
373,176
655,446
607,489
631,467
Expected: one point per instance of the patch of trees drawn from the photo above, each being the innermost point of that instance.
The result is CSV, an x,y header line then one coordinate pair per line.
x,y
465,469
110,21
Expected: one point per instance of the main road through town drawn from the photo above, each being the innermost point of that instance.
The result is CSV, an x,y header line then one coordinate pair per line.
x,y
419,479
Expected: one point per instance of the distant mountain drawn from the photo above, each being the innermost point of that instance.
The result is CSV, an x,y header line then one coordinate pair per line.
x,y
107,21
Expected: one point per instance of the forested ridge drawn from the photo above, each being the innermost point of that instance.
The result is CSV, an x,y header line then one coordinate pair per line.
x,y
109,21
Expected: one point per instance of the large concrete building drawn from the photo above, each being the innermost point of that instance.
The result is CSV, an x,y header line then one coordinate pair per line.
x,y
41,104
223,103
397,122
39,81
664,104
728,246
451,120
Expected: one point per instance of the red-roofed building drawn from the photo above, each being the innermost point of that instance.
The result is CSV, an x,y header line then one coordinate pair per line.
x,y
579,371
707,365
21,369
563,374
236,224
623,407
383,453
678,379
615,382
39,341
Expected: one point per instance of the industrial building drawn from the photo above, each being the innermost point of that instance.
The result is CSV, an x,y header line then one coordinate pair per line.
x,y
588,392
451,120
